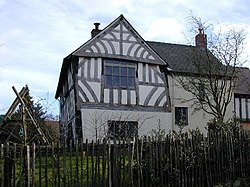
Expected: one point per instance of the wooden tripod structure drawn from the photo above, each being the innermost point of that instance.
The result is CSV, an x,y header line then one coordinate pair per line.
x,y
20,99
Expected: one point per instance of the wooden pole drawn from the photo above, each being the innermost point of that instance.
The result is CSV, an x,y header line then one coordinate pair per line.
x,y
25,139
25,150
15,103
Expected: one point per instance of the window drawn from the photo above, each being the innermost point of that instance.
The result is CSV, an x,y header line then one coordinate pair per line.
x,y
181,116
201,89
122,129
242,107
119,73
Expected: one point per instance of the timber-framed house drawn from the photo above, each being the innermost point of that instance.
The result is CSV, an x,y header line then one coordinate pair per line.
x,y
117,85
112,86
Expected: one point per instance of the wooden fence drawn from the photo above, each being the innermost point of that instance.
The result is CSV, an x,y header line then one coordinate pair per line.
x,y
179,159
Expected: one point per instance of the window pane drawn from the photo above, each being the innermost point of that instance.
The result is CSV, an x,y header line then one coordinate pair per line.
x,y
181,116
111,129
122,129
124,81
132,129
116,81
243,108
124,71
131,81
108,70
115,70
127,63
237,107
108,80
201,89
123,62
248,108
131,71
111,61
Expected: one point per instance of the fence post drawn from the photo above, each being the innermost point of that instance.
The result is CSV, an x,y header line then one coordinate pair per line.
x,y
8,162
6,172
14,165
27,166
109,166
34,165
53,165
113,163
2,164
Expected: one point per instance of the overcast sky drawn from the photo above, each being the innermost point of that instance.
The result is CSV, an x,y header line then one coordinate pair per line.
x,y
35,35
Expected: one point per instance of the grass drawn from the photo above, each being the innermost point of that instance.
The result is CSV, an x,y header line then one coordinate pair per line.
x,y
63,169
67,167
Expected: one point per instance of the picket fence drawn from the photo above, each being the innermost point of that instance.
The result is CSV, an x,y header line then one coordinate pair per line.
x,y
175,160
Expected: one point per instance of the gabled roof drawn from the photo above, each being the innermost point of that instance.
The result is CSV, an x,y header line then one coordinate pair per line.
x,y
119,40
176,55
182,58
179,58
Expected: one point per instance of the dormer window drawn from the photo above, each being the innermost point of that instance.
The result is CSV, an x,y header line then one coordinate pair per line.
x,y
119,74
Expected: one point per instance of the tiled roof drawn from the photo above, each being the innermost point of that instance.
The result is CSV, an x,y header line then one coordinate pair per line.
x,y
181,58
177,56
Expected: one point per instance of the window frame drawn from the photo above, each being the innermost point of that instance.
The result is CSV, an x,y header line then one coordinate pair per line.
x,y
202,93
243,107
179,117
117,68
115,132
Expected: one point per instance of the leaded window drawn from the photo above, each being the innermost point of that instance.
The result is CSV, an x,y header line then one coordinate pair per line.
x,y
122,129
120,73
242,107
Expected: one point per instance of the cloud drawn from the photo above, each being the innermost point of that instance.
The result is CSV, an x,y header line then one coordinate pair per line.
x,y
166,29
40,83
2,2
37,35
31,76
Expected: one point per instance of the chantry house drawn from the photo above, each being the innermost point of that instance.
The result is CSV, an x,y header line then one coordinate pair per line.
x,y
117,85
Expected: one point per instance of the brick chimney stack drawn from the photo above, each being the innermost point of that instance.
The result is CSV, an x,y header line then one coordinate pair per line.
x,y
201,39
96,30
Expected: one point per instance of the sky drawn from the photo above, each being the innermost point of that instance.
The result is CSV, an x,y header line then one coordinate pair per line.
x,y
35,35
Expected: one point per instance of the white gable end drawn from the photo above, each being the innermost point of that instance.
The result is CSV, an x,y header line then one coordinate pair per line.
x,y
119,39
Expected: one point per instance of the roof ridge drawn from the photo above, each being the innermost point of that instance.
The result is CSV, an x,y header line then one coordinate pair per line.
x,y
247,68
171,43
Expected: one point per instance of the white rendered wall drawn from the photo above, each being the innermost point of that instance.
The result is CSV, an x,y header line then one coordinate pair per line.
x,y
196,118
94,121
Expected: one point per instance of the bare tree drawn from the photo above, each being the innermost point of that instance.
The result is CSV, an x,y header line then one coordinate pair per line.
x,y
214,67
96,125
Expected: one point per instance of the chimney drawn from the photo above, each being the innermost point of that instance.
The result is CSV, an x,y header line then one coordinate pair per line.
x,y
96,30
201,39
